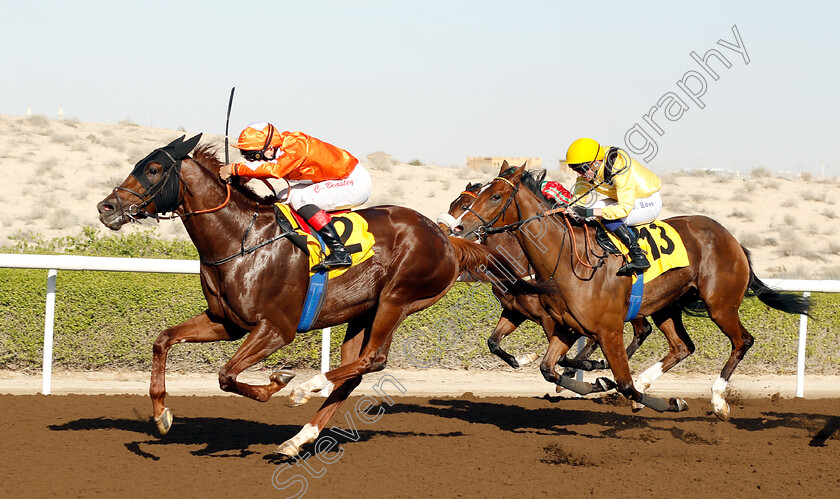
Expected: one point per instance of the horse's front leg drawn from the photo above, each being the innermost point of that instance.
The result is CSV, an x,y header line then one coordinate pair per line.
x,y
508,322
612,345
261,342
199,329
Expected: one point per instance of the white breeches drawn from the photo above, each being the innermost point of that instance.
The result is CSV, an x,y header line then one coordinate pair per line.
x,y
330,194
645,210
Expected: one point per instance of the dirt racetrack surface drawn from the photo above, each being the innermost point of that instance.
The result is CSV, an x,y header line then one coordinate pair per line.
x,y
106,446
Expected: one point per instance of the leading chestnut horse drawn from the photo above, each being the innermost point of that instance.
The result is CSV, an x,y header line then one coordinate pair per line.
x,y
592,300
255,280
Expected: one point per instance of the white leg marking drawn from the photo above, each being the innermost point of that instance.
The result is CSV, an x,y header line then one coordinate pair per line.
x,y
526,359
719,405
303,392
648,377
644,381
307,434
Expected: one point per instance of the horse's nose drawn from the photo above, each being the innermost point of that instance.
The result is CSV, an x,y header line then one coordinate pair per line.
x,y
105,207
458,230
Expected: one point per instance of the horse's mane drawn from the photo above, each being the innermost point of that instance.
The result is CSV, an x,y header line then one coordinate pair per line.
x,y
206,156
533,181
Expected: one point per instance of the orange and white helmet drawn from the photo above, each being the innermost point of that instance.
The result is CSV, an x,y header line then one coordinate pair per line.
x,y
258,136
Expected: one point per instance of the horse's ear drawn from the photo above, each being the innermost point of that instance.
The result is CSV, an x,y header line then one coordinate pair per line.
x,y
181,150
176,142
505,166
517,173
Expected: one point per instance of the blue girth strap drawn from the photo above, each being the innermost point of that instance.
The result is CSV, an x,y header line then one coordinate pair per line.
x,y
635,298
314,295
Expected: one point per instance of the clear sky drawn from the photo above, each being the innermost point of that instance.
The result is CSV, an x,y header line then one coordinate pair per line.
x,y
442,80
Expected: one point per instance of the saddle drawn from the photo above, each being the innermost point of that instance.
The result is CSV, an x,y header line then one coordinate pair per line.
x,y
602,237
352,228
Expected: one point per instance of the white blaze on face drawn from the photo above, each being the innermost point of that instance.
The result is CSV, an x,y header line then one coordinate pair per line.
x,y
648,377
718,402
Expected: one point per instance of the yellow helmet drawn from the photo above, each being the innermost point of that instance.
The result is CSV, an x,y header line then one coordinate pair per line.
x,y
584,151
258,136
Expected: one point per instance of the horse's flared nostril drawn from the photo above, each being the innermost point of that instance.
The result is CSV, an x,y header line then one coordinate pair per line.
x,y
105,207
458,230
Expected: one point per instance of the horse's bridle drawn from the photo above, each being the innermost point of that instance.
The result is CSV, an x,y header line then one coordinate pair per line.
x,y
165,193
482,230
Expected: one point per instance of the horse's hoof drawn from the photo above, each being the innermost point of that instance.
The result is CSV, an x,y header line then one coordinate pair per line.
x,y
605,384
282,377
677,405
722,412
286,449
636,407
523,360
298,397
164,421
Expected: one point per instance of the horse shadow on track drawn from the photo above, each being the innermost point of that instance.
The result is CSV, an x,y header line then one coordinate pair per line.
x,y
613,423
219,437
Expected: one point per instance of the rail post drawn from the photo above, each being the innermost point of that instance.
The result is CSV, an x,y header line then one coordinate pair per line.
x,y
49,321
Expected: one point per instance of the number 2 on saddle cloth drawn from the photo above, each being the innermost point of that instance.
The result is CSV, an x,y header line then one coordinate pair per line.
x,y
351,227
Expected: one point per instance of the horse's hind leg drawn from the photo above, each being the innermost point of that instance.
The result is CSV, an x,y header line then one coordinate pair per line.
x,y
261,342
199,329
641,330
730,323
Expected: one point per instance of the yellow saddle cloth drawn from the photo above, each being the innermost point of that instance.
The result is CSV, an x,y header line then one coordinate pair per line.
x,y
662,245
351,228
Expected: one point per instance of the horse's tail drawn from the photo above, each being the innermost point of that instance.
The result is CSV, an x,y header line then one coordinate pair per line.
x,y
482,263
792,303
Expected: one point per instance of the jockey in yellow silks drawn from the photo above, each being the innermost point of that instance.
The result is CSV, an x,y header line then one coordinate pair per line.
x,y
322,177
631,190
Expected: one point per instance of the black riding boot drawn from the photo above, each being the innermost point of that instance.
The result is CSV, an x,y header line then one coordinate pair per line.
x,y
638,261
338,257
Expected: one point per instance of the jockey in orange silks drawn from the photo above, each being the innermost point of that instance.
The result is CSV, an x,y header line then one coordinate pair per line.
x,y
322,178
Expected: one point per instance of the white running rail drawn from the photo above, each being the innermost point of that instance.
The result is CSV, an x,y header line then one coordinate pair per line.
x,y
54,263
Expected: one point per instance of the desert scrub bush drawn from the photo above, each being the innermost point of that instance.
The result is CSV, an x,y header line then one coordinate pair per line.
x,y
415,162
760,172
751,240
743,215
38,121
63,138
61,219
819,197
396,192
127,122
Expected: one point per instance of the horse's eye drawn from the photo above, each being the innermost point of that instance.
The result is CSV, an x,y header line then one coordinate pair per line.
x,y
465,207
153,171
497,197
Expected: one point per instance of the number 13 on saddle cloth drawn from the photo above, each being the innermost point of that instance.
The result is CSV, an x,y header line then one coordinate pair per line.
x,y
351,228
662,245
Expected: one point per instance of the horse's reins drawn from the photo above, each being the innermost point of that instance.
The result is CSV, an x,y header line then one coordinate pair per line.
x,y
488,229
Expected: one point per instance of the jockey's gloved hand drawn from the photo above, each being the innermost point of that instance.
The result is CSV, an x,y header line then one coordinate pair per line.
x,y
571,213
583,213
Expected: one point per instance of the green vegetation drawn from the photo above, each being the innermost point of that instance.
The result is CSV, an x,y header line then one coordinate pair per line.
x,y
108,320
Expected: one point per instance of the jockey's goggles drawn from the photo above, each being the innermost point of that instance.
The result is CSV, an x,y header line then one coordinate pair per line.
x,y
580,168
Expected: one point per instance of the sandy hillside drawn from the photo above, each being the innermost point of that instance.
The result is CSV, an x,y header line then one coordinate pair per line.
x,y
55,171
